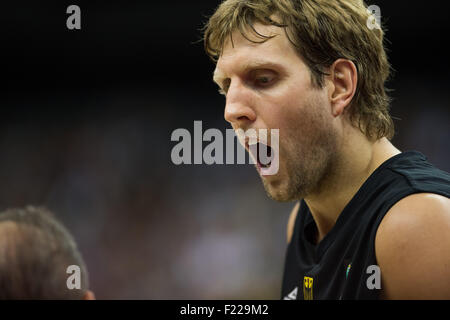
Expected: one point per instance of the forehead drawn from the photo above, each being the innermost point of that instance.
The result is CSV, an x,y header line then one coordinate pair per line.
x,y
240,53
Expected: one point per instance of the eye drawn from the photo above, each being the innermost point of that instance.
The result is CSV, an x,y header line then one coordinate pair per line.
x,y
264,78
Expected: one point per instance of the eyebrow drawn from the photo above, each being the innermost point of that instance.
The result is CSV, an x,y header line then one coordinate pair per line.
x,y
219,76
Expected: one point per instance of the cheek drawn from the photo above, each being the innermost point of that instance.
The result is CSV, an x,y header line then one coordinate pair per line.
x,y
300,115
294,116
305,120
281,112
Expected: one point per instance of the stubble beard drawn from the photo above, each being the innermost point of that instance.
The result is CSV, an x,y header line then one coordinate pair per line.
x,y
309,156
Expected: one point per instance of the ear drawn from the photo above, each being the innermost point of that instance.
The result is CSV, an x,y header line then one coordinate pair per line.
x,y
344,78
89,295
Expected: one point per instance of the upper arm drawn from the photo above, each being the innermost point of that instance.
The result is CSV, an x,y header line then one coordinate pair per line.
x,y
291,222
413,248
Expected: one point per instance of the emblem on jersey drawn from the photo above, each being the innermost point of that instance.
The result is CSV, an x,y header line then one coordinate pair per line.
x,y
308,288
348,270
292,295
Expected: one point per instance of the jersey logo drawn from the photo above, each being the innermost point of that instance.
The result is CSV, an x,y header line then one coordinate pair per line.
x,y
308,288
292,295
348,270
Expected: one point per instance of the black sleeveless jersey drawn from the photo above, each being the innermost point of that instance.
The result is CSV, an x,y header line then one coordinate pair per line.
x,y
343,265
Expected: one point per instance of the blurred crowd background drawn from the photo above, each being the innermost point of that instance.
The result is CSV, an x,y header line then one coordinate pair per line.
x,y
85,126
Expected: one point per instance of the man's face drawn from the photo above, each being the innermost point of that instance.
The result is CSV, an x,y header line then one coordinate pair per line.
x,y
268,86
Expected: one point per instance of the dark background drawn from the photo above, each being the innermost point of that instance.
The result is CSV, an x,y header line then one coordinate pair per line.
x,y
85,125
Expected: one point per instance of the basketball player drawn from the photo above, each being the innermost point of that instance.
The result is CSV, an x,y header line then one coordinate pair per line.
x,y
371,222
35,253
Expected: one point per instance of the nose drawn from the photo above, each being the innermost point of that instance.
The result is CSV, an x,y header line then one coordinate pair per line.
x,y
239,111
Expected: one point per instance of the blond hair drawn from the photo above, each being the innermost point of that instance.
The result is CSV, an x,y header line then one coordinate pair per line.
x,y
322,31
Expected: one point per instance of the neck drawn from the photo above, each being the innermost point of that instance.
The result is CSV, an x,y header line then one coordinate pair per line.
x,y
358,159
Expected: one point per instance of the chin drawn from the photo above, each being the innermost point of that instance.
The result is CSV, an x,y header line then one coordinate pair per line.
x,y
278,191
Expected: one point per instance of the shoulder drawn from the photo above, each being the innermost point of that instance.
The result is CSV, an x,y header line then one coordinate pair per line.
x,y
413,248
291,222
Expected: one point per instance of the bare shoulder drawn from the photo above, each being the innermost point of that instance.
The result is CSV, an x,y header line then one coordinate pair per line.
x,y
291,222
413,248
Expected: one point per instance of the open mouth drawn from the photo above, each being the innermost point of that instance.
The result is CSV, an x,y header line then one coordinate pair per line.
x,y
262,154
